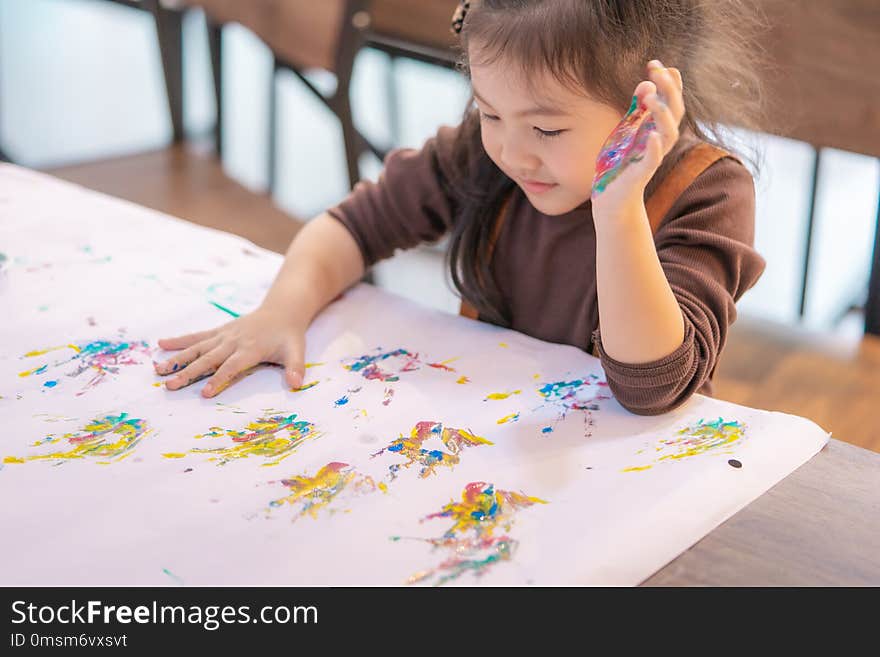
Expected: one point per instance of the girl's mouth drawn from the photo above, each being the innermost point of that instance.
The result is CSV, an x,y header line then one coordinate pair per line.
x,y
536,187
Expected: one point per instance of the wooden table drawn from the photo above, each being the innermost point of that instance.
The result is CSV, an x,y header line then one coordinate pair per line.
x,y
820,526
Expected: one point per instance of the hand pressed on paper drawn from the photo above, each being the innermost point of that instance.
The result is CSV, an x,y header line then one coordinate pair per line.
x,y
263,336
634,150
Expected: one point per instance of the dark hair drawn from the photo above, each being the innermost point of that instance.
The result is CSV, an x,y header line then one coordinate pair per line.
x,y
599,47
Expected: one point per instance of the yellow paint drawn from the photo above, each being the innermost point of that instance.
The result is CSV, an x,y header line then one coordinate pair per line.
x,y
419,576
637,468
98,443
40,352
502,344
383,487
308,365
157,384
463,379
448,438
507,418
174,455
455,440
13,459
318,492
304,387
503,395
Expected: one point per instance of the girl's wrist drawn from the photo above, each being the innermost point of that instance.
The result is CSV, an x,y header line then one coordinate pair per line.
x,y
626,211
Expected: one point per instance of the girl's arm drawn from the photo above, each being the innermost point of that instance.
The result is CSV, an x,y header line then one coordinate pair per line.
x,y
640,317
664,310
322,261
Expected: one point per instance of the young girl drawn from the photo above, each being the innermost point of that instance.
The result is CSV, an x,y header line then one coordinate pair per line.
x,y
534,244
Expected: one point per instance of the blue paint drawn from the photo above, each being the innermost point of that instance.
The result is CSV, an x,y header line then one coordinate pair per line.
x,y
547,430
342,401
50,384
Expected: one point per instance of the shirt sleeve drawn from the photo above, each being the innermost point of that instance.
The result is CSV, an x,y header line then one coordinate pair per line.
x,y
706,248
410,204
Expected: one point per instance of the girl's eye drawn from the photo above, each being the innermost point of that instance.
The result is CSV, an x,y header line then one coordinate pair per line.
x,y
548,133
488,117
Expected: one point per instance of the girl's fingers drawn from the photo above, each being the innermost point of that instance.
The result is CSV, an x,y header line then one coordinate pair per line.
x,y
234,365
667,126
184,341
644,89
676,75
294,365
179,361
640,172
668,86
203,366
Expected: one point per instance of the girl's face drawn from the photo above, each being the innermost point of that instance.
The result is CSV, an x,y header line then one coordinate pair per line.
x,y
542,134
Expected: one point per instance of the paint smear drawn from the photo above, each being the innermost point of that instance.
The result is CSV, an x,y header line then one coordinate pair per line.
x,y
99,357
501,395
368,366
583,395
625,145
513,417
176,579
442,365
273,438
389,365
477,539
411,448
105,439
314,494
718,437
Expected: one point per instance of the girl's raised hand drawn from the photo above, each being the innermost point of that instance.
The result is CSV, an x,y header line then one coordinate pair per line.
x,y
645,136
263,336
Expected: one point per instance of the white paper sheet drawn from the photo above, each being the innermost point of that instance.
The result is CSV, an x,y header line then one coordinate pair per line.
x,y
572,490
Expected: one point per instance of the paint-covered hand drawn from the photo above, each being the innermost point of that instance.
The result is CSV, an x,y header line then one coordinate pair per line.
x,y
263,336
634,150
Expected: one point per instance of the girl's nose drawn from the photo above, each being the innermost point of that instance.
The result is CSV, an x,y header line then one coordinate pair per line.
x,y
516,158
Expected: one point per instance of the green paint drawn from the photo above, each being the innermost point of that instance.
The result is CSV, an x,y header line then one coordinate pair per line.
x,y
224,309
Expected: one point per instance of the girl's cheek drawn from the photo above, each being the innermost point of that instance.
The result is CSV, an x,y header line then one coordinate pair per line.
x,y
489,144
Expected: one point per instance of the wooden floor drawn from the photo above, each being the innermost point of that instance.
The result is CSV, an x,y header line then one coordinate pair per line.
x,y
833,380
188,182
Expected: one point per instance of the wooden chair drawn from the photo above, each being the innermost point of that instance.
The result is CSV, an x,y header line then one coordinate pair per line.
x,y
301,35
305,35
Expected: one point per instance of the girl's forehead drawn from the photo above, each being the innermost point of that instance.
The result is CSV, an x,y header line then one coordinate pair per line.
x,y
497,84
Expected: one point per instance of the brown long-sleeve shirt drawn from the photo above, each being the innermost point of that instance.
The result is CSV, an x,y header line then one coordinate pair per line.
x,y
545,266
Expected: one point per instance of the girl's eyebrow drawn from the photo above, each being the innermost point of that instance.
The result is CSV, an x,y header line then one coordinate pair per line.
x,y
541,110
